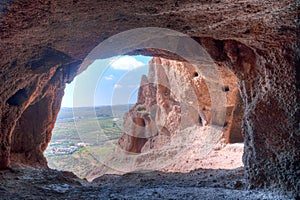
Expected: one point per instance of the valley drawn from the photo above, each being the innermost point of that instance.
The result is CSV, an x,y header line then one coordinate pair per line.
x,y
68,149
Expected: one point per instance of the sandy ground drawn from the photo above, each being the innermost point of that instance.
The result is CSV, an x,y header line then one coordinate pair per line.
x,y
190,149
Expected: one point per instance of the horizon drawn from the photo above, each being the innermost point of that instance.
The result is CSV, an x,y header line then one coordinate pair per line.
x,y
112,81
100,106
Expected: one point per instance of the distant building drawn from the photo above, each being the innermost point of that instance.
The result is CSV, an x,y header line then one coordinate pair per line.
x,y
81,144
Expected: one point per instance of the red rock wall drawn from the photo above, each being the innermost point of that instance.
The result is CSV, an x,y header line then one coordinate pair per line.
x,y
256,39
166,105
29,114
269,124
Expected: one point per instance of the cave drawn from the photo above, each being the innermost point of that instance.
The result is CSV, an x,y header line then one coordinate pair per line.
x,y
150,122
44,46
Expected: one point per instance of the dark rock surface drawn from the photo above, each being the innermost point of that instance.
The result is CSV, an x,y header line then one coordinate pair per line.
x,y
30,183
42,43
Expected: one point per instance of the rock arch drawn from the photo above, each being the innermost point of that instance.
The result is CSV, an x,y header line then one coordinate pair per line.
x,y
42,44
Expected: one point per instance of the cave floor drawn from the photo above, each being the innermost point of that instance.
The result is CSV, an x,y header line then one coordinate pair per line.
x,y
22,182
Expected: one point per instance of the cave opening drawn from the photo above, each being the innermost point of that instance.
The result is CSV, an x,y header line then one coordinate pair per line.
x,y
150,118
43,42
87,122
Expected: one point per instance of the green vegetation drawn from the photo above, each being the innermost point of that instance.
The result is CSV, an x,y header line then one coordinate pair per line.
x,y
79,143
81,162
141,109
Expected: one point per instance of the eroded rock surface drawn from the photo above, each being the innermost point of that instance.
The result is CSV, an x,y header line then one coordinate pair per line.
x,y
205,184
174,96
42,42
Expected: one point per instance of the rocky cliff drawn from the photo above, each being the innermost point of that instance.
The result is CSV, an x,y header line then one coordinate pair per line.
x,y
173,97
42,43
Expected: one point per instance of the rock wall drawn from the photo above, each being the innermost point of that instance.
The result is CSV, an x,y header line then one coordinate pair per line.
x,y
172,97
29,114
263,93
42,42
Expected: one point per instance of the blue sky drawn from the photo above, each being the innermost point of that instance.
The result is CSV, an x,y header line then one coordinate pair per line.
x,y
107,82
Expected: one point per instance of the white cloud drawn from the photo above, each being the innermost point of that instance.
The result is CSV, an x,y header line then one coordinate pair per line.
x,y
126,63
117,86
109,77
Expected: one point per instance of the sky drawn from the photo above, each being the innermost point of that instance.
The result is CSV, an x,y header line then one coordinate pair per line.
x,y
112,81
